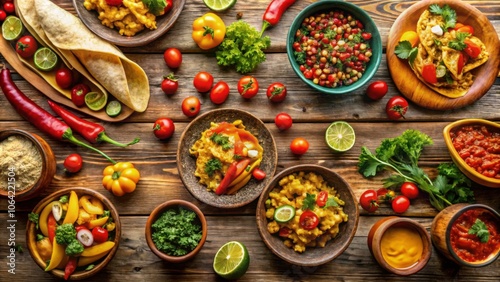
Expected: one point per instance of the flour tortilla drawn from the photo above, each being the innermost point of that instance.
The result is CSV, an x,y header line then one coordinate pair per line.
x,y
123,78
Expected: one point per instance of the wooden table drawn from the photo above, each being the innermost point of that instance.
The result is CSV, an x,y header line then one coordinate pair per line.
x,y
312,113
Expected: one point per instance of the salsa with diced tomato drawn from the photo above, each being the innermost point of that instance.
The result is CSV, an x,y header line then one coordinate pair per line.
x,y
469,246
479,147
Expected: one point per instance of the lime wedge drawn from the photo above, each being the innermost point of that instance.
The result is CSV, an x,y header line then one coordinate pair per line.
x,y
232,260
284,213
95,101
12,28
45,59
340,136
219,5
114,108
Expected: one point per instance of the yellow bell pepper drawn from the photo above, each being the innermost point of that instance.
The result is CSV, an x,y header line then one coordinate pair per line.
x,y
42,220
98,249
91,205
97,222
208,31
120,178
73,208
57,256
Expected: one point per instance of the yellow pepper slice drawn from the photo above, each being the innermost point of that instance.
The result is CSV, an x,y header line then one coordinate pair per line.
x,y
83,261
120,178
57,256
246,173
238,185
97,222
91,204
98,249
42,220
73,208
208,31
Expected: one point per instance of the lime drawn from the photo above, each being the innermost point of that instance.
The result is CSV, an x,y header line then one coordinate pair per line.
x,y
219,5
45,59
114,108
284,213
232,260
12,28
95,101
340,136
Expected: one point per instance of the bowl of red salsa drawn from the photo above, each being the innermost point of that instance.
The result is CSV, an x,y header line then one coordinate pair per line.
x,y
468,234
474,146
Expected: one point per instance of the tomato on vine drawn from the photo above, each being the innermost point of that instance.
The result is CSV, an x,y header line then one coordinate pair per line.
x,y
276,92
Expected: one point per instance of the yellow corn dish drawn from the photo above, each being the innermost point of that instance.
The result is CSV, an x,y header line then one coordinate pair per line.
x,y
129,18
301,190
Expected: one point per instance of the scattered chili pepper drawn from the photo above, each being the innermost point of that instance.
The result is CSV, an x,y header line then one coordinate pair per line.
x,y
274,12
70,267
92,132
39,117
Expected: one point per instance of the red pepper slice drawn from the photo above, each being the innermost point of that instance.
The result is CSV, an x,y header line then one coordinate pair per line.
x,y
429,73
228,178
51,227
472,49
70,267
241,166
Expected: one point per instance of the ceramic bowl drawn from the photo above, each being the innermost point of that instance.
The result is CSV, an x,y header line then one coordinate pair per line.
x,y
158,211
368,25
469,171
186,163
48,164
312,256
441,230
100,264
163,23
379,229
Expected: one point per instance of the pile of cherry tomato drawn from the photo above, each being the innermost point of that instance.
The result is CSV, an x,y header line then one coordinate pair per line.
x,y
370,200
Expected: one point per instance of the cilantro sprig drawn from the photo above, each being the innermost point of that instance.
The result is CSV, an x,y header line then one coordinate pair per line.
x,y
212,166
480,230
404,51
458,43
221,140
449,15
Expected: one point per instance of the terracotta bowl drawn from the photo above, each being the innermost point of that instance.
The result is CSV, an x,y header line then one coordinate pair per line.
x,y
442,226
48,166
79,274
375,243
186,164
312,256
462,165
157,212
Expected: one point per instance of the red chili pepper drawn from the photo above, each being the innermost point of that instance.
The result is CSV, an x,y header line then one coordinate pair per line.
x,y
39,117
70,267
274,12
51,227
228,178
92,132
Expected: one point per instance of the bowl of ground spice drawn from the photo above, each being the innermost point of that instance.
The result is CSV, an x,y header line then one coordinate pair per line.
x,y
27,164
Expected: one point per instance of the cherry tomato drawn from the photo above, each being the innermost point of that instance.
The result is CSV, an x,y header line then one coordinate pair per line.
x,y
248,86
258,174
9,7
285,231
168,7
299,146
376,90
78,93
283,121
308,220
191,106
26,46
396,107
322,198
173,58
464,28
169,85
203,81
219,93
385,195
400,204
276,92
64,77
366,35
410,190
472,49
114,2
3,15
163,128
100,234
429,73
369,200
73,163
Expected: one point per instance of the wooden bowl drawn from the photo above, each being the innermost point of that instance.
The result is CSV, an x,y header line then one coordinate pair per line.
x,y
157,212
469,171
442,226
100,264
312,256
415,90
163,23
375,243
186,164
48,164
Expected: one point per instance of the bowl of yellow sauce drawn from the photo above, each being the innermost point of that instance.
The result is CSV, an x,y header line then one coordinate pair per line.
x,y
400,245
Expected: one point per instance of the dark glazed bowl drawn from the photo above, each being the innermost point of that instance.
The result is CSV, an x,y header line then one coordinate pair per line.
x,y
358,13
313,256
186,164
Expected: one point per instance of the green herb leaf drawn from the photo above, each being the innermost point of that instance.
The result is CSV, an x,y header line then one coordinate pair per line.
x,y
309,202
331,202
212,166
90,267
33,217
64,199
449,15
155,7
404,51
221,140
480,229
458,42
300,57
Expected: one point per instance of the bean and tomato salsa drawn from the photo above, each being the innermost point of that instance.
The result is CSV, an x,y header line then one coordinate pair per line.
x,y
479,147
469,246
332,49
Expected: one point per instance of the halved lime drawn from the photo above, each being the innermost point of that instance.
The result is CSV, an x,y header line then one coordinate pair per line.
x,y
219,5
114,108
12,28
95,101
284,213
340,136
45,59
232,260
